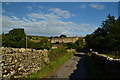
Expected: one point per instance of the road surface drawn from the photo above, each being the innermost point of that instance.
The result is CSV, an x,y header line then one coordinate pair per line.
x,y
73,68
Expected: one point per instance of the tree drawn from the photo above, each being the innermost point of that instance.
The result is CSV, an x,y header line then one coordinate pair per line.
x,y
79,44
44,44
18,31
63,35
51,37
71,45
107,37
15,38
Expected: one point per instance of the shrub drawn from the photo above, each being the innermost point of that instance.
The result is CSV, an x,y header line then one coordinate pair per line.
x,y
56,53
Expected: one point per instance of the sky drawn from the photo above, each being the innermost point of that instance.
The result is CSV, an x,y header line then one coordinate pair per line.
x,y
60,0
56,18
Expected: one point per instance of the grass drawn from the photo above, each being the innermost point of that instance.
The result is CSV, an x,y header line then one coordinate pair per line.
x,y
93,69
45,71
113,55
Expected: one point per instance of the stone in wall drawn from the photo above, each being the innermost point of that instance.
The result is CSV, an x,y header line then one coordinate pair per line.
x,y
20,62
111,67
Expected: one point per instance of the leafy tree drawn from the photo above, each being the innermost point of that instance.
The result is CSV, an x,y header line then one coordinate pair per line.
x,y
19,31
51,37
63,35
79,44
107,37
71,45
44,44
57,43
15,38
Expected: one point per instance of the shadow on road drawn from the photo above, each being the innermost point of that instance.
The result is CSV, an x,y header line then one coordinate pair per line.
x,y
79,55
83,50
81,71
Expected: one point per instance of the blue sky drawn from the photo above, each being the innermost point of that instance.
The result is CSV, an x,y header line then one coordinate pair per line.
x,y
56,18
59,0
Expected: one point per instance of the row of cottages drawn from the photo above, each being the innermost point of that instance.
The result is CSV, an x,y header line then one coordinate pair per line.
x,y
64,40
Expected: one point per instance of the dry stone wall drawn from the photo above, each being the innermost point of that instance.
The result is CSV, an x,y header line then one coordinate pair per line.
x,y
0,65
20,62
111,67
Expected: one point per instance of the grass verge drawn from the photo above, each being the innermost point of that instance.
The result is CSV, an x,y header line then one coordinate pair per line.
x,y
113,55
51,67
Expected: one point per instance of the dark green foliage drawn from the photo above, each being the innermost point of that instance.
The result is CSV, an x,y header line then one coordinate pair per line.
x,y
57,43
32,44
79,44
44,44
20,32
51,37
54,54
15,38
71,45
63,35
107,37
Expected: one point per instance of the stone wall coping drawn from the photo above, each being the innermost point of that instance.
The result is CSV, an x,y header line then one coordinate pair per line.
x,y
107,57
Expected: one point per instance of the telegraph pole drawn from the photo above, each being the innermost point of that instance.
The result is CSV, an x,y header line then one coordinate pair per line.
x,y
26,40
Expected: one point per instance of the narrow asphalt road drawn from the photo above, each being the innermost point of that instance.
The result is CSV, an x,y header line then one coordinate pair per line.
x,y
73,68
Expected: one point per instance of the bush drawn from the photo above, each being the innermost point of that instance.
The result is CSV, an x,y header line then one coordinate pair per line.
x,y
71,45
79,44
17,38
56,53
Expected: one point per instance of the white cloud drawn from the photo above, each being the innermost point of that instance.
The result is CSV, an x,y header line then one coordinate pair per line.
x,y
46,24
36,15
34,20
62,13
15,18
29,8
72,33
55,14
10,22
97,6
88,27
50,16
46,27
41,7
83,6
92,5
26,20
7,3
